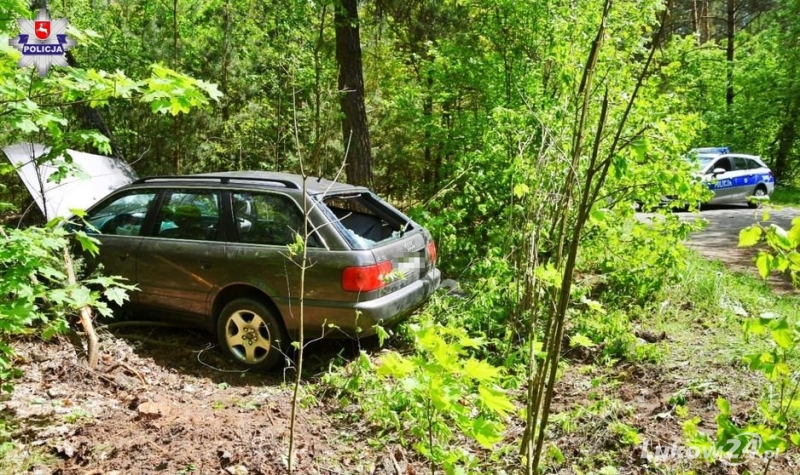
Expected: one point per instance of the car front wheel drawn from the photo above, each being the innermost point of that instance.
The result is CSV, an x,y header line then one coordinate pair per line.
x,y
760,192
251,334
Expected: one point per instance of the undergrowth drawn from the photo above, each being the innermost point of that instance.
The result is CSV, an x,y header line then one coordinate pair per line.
x,y
414,394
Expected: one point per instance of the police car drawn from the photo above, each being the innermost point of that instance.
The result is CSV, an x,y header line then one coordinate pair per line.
x,y
733,177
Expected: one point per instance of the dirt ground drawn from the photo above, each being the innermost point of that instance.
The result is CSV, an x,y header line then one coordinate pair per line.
x,y
164,401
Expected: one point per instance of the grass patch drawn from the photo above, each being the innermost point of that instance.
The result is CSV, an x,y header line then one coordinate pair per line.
x,y
607,410
786,195
15,459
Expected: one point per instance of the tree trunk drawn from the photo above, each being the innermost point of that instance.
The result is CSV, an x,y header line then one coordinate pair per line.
x,y
431,171
729,51
351,94
705,33
786,139
85,313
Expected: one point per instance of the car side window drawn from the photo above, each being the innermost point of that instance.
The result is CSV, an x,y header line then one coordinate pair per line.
x,y
752,164
740,163
265,218
189,214
122,216
723,163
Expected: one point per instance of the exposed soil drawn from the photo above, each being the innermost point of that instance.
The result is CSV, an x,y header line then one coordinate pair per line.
x,y
647,398
165,402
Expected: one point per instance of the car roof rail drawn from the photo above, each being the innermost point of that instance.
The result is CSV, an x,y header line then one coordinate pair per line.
x,y
222,179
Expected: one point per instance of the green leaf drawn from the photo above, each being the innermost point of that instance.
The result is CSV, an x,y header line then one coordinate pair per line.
x,y
486,433
480,370
580,340
749,236
88,243
26,125
521,190
495,400
468,342
381,333
394,365
210,88
117,295
782,334
764,264
598,215
794,234
724,406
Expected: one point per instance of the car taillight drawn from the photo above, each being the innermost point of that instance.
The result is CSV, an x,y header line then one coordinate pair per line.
x,y
366,278
432,251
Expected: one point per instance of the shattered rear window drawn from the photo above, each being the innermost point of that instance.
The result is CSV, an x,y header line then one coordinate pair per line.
x,y
366,220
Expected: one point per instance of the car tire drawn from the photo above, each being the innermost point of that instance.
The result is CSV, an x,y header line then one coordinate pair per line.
x,y
250,333
759,192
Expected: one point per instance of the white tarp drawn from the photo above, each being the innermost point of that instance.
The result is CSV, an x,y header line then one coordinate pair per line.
x,y
101,175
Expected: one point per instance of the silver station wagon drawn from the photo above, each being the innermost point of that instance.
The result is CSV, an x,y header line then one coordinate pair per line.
x,y
211,251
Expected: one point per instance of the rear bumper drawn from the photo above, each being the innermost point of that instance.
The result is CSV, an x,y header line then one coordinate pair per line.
x,y
396,305
357,319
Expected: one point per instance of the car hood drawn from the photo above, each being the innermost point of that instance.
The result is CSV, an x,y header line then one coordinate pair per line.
x,y
100,176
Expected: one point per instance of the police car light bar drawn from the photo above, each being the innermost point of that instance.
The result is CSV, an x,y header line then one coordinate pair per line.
x,y
709,150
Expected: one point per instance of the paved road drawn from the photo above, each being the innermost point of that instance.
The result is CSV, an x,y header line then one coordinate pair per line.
x,y
724,223
720,238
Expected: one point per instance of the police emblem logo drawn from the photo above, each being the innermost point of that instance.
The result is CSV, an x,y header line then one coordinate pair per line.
x,y
43,42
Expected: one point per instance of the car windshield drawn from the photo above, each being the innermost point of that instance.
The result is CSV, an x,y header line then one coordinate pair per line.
x,y
702,160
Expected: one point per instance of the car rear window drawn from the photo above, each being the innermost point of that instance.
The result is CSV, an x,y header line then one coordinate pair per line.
x,y
189,214
365,220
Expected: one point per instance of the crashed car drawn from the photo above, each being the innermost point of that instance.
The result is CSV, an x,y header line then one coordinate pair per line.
x,y
212,251
733,177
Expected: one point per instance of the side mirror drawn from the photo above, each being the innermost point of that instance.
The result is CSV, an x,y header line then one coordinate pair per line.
x,y
719,171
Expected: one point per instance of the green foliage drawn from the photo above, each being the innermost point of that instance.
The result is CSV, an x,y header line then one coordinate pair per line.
x,y
635,259
783,255
434,396
786,195
34,293
35,296
779,424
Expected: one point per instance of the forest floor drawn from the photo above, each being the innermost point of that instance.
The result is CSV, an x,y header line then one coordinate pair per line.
x,y
165,401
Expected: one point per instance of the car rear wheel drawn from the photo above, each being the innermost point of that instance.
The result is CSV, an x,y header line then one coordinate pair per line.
x,y
250,333
760,192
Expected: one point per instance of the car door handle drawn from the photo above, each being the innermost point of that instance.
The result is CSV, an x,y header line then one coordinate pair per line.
x,y
205,265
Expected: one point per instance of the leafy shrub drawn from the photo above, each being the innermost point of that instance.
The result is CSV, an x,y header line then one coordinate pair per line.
x,y
35,295
784,248
432,397
778,424
635,259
